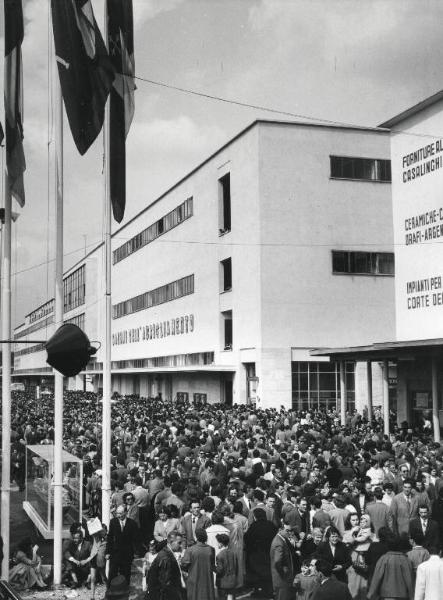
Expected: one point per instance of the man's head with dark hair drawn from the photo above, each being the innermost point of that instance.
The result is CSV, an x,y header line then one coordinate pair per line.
x,y
324,567
259,495
223,539
418,537
408,481
259,514
208,504
316,502
217,518
378,493
201,535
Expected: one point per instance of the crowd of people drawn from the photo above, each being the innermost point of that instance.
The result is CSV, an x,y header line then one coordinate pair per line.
x,y
220,501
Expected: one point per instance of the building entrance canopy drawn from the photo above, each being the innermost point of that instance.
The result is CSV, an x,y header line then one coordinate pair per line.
x,y
430,351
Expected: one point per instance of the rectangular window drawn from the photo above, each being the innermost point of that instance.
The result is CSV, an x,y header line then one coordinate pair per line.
x,y
363,263
225,203
78,320
169,221
316,385
365,169
165,293
227,329
226,274
74,288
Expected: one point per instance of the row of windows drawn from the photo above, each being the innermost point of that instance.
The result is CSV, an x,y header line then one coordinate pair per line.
x,y
74,289
165,293
172,219
366,169
363,263
36,371
175,360
316,385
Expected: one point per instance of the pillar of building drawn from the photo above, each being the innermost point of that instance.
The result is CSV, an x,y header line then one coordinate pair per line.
x,y
435,407
386,396
343,393
369,388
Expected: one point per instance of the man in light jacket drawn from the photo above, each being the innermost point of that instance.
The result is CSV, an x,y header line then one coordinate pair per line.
x,y
429,583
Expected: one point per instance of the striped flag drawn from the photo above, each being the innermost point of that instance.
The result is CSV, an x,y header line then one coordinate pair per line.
x,y
85,70
121,51
15,157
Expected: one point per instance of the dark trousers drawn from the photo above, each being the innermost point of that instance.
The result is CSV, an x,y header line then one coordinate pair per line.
x,y
117,567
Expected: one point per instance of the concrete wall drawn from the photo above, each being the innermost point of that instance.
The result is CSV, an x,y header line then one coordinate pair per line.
x,y
304,216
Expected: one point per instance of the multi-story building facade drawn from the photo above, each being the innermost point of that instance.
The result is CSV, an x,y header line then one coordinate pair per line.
x,y
278,243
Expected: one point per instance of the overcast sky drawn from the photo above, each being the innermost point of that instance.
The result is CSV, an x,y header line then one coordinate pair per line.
x,y
351,61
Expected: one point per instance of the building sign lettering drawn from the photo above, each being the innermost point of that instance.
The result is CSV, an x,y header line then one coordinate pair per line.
x,y
417,181
152,331
422,161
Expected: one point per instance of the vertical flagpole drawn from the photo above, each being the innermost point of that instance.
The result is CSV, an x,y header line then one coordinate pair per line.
x,y
6,382
106,401
58,317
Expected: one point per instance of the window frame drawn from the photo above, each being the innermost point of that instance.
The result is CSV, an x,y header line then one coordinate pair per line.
x,y
373,259
380,165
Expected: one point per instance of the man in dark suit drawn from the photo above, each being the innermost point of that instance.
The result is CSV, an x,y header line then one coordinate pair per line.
x,y
284,563
76,559
427,526
330,587
122,539
164,576
191,522
298,518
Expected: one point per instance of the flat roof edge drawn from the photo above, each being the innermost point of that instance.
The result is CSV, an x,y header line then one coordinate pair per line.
x,y
378,347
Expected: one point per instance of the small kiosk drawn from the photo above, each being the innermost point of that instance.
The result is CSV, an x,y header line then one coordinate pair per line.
x,y
39,491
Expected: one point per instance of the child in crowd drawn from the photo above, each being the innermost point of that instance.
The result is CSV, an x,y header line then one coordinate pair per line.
x,y
305,582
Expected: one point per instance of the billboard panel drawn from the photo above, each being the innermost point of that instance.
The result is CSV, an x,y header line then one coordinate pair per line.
x,y
417,188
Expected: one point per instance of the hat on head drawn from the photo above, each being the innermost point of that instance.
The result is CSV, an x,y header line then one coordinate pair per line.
x,y
118,588
99,472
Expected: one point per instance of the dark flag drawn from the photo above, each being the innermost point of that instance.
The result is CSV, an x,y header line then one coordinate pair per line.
x,y
121,51
15,157
85,70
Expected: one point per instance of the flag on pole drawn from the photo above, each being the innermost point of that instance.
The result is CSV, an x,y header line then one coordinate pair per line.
x,y
121,51
15,156
85,70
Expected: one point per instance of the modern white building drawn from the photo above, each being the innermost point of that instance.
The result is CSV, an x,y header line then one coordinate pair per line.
x,y
279,242
417,347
